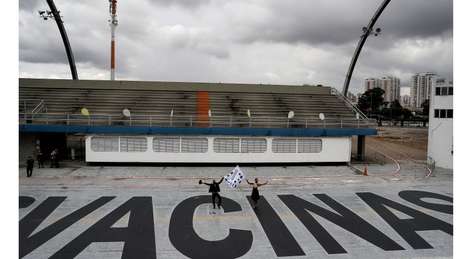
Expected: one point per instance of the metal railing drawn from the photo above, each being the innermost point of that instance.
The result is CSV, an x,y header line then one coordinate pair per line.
x,y
31,105
191,121
348,103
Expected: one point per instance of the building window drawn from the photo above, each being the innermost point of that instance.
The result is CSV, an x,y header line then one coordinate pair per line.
x,y
133,144
442,113
436,113
444,90
451,91
253,145
450,113
104,144
280,145
227,145
166,144
309,146
194,145
438,90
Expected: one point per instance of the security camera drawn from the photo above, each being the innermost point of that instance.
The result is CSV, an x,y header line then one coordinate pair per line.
x,y
41,12
378,30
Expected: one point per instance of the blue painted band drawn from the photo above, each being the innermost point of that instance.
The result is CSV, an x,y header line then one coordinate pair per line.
x,y
288,132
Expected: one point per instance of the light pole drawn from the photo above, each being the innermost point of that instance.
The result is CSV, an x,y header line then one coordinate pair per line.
x,y
54,14
366,32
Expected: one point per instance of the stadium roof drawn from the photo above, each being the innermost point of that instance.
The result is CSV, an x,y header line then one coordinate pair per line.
x,y
172,86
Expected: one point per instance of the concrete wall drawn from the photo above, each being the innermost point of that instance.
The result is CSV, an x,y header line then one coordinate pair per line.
x,y
27,143
334,149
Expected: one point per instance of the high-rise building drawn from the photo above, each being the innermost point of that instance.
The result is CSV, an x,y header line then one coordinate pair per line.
x,y
392,87
370,83
390,84
421,88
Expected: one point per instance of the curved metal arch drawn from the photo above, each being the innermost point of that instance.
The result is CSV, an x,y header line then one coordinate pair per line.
x,y
361,44
65,39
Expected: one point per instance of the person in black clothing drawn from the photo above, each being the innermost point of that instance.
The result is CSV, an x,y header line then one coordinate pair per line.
x,y
214,189
255,191
30,166
40,159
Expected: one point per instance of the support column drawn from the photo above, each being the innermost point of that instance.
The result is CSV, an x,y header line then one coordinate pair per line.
x,y
361,147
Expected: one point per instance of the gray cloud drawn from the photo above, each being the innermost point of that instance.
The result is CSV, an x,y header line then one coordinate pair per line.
x,y
182,3
338,22
31,5
246,41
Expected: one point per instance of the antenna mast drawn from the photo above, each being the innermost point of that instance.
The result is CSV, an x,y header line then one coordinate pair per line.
x,y
113,23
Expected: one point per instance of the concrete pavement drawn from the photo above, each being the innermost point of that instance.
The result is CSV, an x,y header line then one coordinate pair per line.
x,y
343,201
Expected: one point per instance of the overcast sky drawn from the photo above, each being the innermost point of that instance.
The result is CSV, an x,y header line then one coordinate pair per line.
x,y
239,41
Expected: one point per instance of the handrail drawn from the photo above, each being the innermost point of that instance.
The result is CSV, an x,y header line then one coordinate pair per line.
x,y
348,102
39,107
190,121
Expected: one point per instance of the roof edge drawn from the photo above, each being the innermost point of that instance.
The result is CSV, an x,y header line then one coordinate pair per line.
x,y
171,86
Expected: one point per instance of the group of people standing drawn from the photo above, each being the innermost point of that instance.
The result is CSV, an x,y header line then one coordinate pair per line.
x,y
214,189
40,159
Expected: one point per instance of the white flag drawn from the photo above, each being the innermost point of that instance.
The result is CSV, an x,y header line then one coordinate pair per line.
x,y
235,177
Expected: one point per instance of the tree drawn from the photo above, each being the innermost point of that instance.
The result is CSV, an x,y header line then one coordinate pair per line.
x,y
371,100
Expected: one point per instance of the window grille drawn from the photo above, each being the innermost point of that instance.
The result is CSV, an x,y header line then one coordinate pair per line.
x,y
133,144
166,144
194,145
104,144
284,145
227,145
253,145
309,145
442,113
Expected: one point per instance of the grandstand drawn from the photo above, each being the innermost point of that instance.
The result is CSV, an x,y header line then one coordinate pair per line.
x,y
181,122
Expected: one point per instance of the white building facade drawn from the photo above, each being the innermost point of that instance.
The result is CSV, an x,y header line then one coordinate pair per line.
x,y
216,149
440,130
421,84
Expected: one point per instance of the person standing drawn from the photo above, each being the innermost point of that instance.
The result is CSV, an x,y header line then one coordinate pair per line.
x,y
40,158
54,158
30,166
214,189
255,196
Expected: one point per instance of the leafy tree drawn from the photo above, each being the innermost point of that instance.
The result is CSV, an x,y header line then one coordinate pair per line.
x,y
371,100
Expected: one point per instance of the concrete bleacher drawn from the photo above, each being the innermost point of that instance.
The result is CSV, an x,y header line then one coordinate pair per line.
x,y
150,104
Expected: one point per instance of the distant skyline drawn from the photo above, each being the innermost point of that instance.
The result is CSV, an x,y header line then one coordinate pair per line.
x,y
250,41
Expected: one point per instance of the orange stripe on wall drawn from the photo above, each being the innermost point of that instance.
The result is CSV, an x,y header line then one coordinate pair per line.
x,y
202,107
